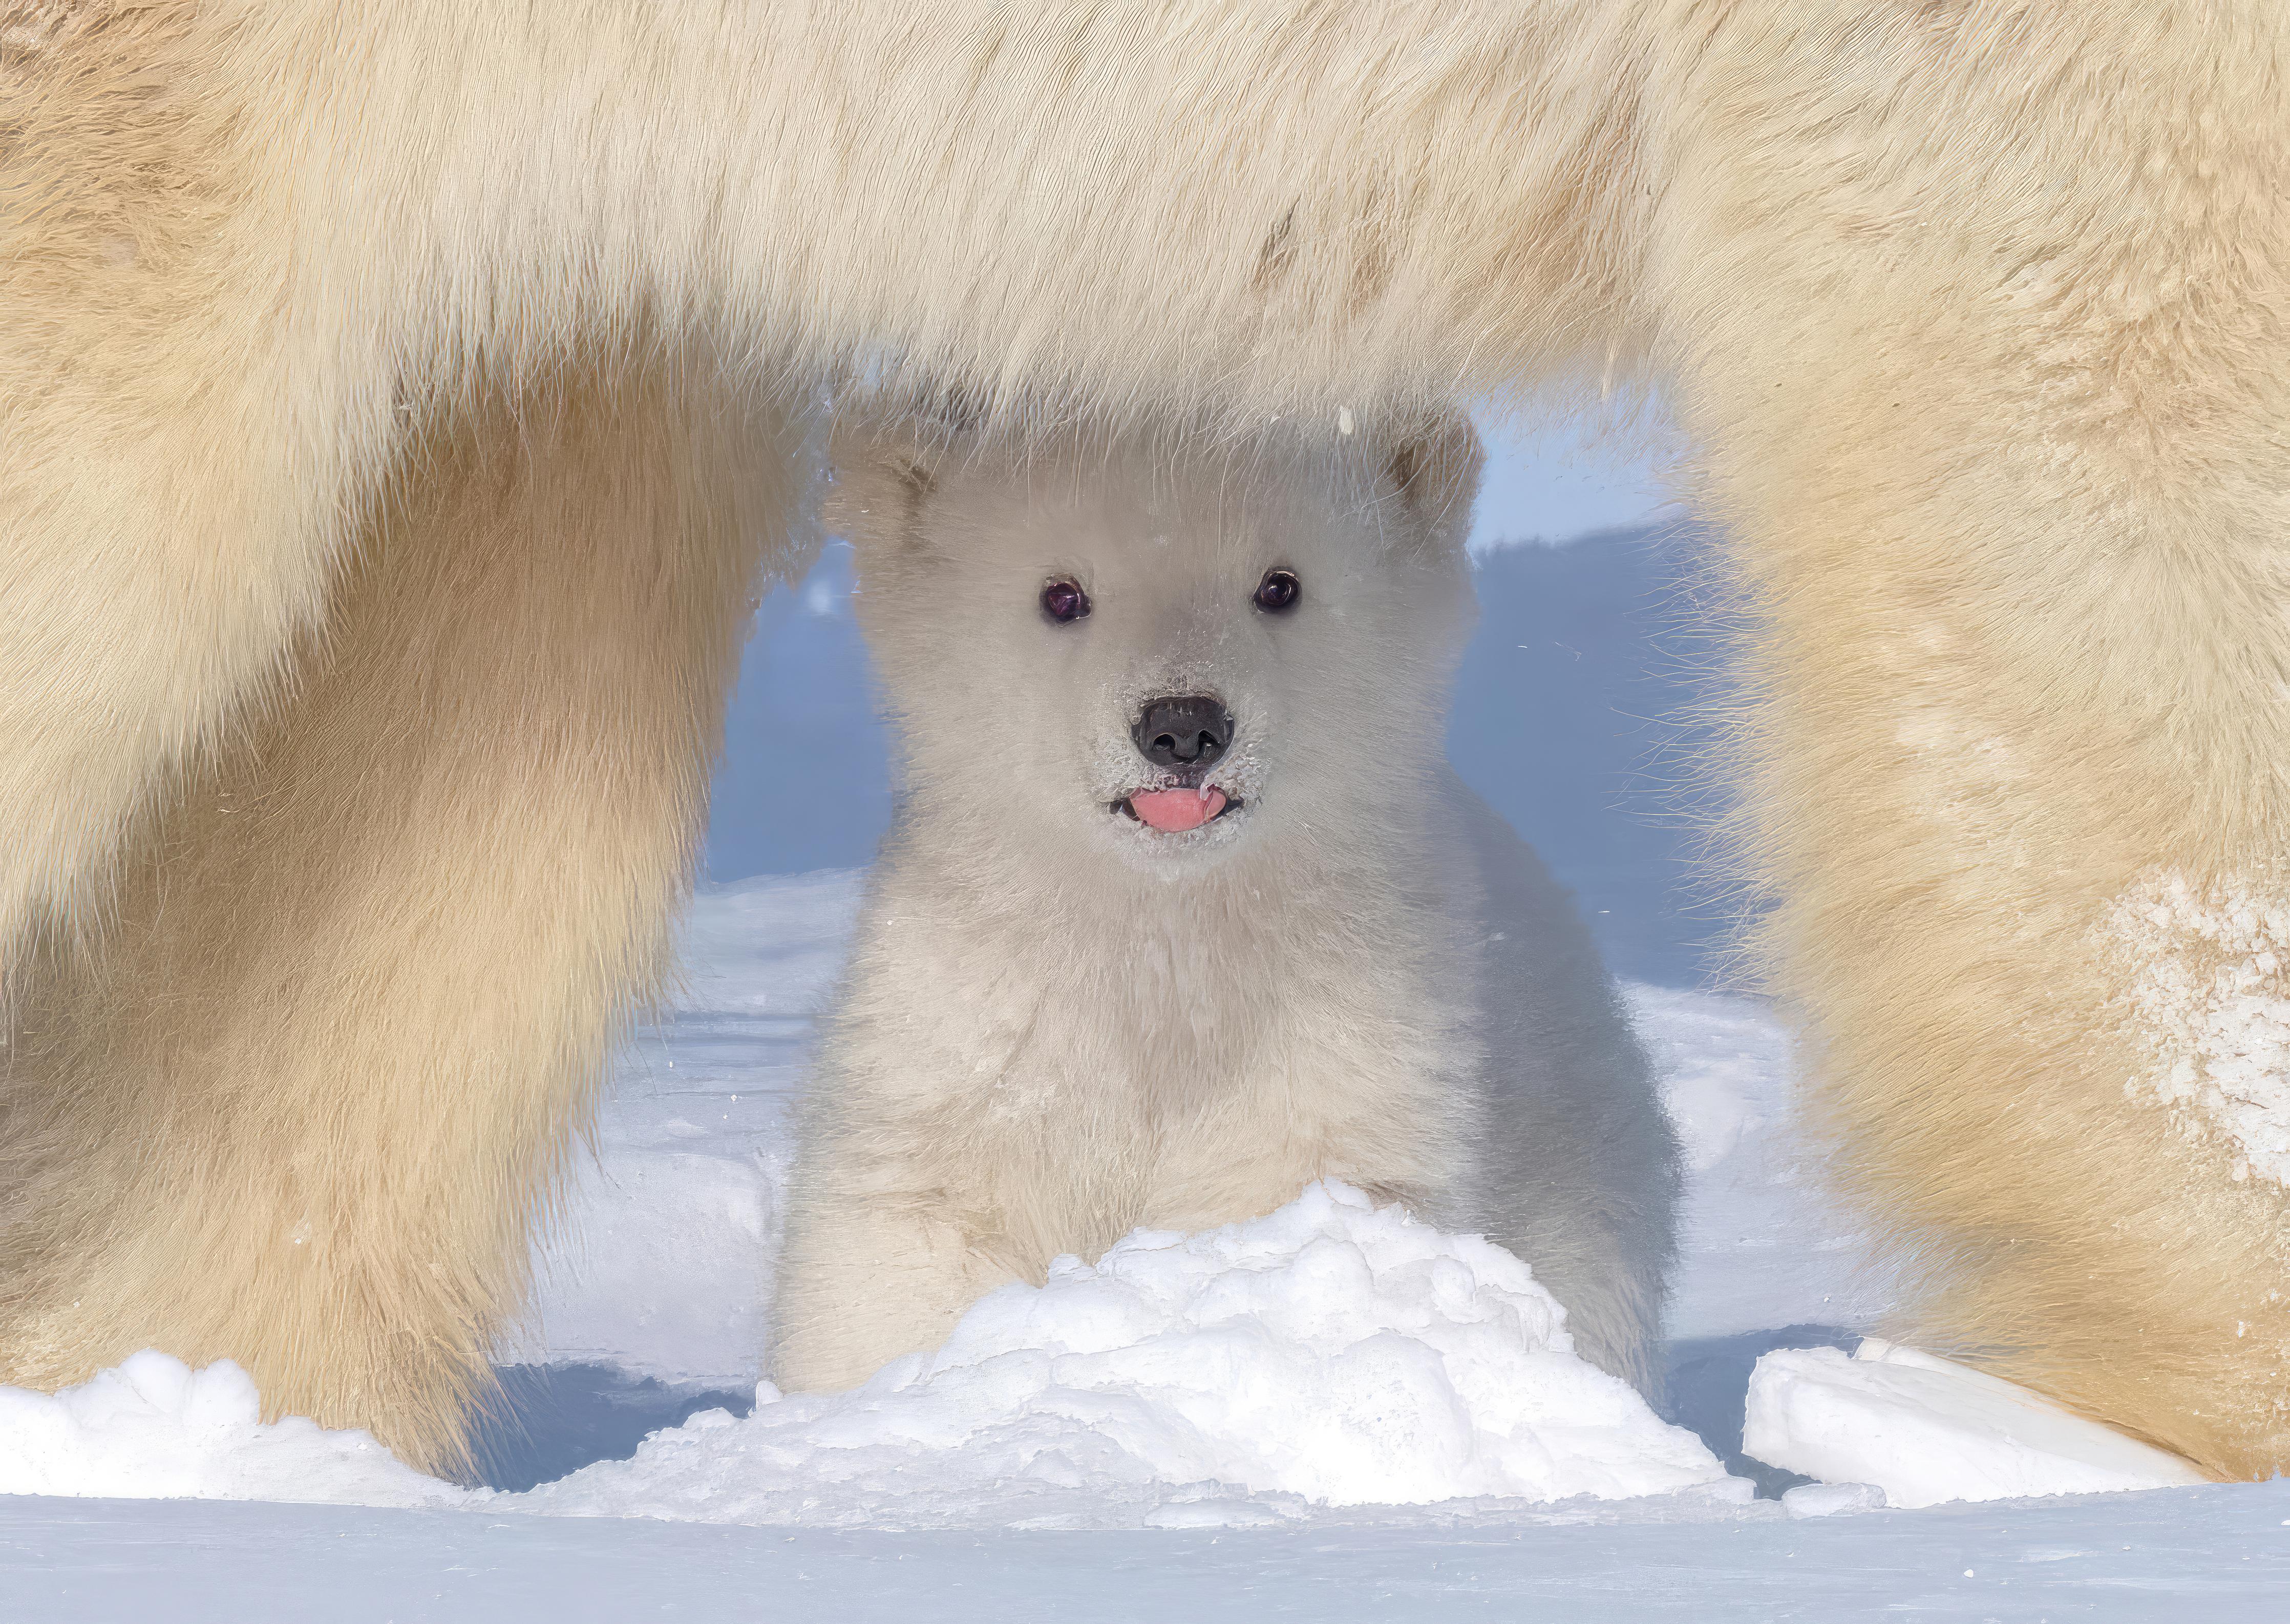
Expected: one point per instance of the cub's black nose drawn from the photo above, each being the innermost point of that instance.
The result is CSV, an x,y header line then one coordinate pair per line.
x,y
1191,732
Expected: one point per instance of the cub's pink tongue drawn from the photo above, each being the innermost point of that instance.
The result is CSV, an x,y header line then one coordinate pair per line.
x,y
1174,811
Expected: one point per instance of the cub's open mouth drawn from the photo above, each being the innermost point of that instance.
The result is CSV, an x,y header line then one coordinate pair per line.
x,y
1172,811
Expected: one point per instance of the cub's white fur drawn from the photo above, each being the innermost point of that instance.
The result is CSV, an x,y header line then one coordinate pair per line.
x,y
1061,1023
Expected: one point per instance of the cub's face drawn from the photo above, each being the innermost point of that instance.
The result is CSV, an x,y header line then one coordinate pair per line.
x,y
1164,658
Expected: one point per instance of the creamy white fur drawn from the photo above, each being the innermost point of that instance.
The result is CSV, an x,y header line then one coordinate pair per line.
x,y
366,369
1061,1024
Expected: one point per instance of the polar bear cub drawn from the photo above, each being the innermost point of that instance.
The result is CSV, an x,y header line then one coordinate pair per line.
x,y
1182,907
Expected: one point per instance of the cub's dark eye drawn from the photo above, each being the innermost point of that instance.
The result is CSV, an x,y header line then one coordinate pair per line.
x,y
1064,601
1278,591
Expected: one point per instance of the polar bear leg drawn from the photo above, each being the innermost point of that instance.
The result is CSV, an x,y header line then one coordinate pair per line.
x,y
395,933
2009,492
150,608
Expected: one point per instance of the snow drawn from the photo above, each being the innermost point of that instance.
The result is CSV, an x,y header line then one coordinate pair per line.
x,y
1759,1244
2211,1553
1832,1499
1924,1430
156,1428
2210,995
1329,1353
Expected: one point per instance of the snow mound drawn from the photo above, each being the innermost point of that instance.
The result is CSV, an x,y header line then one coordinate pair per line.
x,y
1330,1354
154,1428
1926,1429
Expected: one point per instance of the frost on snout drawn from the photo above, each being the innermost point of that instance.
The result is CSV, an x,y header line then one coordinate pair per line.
x,y
1183,738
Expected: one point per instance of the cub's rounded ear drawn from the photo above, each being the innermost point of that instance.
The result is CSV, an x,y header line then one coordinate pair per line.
x,y
884,472
886,451
1435,469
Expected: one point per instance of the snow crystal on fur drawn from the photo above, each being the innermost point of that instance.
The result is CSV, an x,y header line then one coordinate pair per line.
x,y
2211,996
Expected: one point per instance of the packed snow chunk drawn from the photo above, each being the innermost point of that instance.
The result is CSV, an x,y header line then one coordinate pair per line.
x,y
1330,1353
154,1428
1832,1499
1926,1429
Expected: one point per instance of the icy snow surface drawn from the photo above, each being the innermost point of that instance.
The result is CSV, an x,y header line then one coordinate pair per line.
x,y
2181,1554
1925,1429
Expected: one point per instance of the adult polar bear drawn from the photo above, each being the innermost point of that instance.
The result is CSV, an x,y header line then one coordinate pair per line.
x,y
402,397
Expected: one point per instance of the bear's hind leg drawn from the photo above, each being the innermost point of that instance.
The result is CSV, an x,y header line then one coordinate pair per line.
x,y
1996,437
